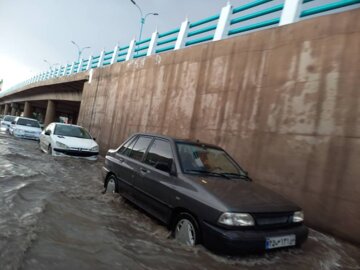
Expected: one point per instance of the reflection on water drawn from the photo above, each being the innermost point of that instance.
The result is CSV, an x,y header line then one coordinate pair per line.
x,y
53,216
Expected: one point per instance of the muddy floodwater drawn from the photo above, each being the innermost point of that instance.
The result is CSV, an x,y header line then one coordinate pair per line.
x,y
53,216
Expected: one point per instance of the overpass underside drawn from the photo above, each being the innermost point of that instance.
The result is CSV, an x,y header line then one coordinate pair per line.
x,y
48,103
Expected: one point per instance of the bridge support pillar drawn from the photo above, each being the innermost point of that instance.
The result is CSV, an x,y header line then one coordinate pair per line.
x,y
50,113
6,110
2,108
13,109
28,110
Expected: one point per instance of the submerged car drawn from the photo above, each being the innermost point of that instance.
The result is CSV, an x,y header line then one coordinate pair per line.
x,y
202,194
60,139
6,122
26,128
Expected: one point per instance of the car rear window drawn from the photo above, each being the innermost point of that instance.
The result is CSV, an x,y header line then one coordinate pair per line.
x,y
9,118
28,123
126,148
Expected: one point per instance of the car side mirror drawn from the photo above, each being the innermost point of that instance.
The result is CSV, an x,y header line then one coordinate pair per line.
x,y
13,122
166,167
163,166
94,139
248,177
48,132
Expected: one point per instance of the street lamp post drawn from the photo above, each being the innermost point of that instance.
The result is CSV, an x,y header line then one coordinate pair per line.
x,y
143,18
80,50
50,65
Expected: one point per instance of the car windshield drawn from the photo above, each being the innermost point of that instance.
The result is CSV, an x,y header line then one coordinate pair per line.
x,y
201,159
28,123
71,131
9,118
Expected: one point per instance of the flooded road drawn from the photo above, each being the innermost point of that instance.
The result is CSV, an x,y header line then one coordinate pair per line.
x,y
53,216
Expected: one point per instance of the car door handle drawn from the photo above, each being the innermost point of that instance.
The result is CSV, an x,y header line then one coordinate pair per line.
x,y
144,171
121,160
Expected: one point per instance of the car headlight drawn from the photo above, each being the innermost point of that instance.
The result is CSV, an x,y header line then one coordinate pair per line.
x,y
236,219
61,145
298,217
95,149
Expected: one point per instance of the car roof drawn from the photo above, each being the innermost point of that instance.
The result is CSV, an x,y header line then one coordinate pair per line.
x,y
179,140
21,117
63,124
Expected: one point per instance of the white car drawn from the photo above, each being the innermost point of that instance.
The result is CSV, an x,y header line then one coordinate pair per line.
x,y
68,140
27,128
6,122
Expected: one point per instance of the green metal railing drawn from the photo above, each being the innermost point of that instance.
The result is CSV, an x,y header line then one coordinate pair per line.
x,y
327,7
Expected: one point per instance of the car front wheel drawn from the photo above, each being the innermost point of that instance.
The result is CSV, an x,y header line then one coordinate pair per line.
x,y
186,230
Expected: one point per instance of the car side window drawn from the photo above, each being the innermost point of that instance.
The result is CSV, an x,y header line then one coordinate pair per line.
x,y
160,155
140,147
126,148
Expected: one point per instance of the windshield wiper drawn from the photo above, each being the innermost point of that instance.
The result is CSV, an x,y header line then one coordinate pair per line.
x,y
209,172
241,176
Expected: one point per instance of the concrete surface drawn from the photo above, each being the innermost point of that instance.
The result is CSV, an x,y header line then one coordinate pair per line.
x,y
50,113
284,102
28,110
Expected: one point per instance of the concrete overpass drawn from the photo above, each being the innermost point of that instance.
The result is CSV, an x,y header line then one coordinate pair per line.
x,y
47,100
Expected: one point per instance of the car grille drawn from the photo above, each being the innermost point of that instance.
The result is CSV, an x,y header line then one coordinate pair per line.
x,y
273,219
79,149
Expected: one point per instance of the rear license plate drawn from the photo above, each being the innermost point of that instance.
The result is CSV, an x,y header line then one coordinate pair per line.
x,y
280,241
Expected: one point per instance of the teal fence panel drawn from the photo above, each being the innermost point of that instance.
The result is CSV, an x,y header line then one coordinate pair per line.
x,y
316,9
166,41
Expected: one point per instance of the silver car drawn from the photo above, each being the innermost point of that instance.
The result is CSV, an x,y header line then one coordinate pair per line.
x,y
26,128
6,122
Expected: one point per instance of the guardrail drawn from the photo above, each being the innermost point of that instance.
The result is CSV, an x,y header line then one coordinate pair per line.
x,y
252,16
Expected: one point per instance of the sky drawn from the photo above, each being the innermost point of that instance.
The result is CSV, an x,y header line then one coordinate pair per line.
x,y
32,31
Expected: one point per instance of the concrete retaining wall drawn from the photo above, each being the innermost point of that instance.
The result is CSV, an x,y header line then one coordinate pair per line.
x,y
285,102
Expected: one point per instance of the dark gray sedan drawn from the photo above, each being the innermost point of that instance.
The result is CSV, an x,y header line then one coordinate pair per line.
x,y
202,195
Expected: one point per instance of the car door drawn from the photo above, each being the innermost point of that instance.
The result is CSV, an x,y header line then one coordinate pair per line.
x,y
122,168
12,125
157,178
45,140
128,161
135,159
